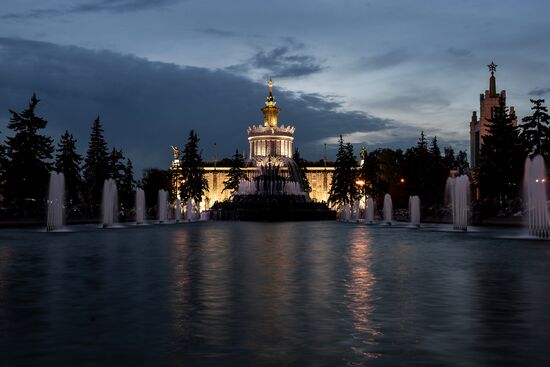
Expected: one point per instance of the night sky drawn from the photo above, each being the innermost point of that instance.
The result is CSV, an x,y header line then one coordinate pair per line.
x,y
377,72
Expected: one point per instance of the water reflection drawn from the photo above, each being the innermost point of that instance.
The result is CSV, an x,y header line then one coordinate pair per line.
x,y
272,294
360,292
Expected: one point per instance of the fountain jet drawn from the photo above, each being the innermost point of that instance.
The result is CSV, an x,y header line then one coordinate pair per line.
x,y
388,209
369,215
56,202
538,219
109,203
458,193
162,206
414,210
140,206
177,210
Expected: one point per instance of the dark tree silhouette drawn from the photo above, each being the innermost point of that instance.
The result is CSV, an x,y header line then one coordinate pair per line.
x,y
194,181
343,188
417,169
435,176
96,167
535,131
501,158
153,180
27,162
235,174
67,161
126,187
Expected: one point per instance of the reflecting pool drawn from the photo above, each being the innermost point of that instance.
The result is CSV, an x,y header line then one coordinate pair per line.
x,y
254,294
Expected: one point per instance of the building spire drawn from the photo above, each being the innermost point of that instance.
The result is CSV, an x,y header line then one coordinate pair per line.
x,y
271,111
492,81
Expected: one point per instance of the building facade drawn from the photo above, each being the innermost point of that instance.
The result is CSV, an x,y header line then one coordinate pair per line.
x,y
265,141
479,126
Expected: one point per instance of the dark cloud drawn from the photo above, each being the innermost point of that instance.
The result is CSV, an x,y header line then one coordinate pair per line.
x,y
284,61
147,106
459,52
33,14
386,60
122,5
217,32
539,92
117,6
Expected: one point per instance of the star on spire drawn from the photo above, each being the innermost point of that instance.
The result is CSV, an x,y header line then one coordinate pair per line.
x,y
492,67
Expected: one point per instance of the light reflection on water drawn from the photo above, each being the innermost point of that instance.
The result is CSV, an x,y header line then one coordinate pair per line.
x,y
272,294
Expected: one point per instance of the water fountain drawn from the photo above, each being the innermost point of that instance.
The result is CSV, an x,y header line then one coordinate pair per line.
x,y
388,209
272,191
538,219
458,193
369,211
109,203
189,210
56,202
140,206
356,213
177,210
345,213
162,206
414,210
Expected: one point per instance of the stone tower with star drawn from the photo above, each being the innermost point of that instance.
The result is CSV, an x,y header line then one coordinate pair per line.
x,y
479,125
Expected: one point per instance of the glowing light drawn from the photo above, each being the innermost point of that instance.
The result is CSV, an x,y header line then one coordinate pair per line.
x,y
402,180
360,182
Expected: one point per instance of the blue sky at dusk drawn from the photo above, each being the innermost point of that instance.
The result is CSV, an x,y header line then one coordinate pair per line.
x,y
377,72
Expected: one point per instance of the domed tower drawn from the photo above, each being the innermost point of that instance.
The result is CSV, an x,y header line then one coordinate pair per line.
x,y
270,140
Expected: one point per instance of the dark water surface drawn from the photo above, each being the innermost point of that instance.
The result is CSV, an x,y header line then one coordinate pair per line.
x,y
273,294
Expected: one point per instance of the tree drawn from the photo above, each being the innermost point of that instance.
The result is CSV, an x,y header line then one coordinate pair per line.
x,y
535,131
371,174
27,162
116,166
302,165
235,174
462,162
67,161
436,176
126,186
343,189
501,158
96,167
153,180
193,174
417,168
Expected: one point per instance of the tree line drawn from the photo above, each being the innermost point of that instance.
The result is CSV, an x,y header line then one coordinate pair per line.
x,y
27,157
423,169
420,170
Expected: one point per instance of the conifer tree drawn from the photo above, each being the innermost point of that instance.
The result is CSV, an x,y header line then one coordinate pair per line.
x,y
126,186
153,180
371,174
436,176
96,167
302,164
343,189
462,162
193,174
116,166
235,174
417,168
27,162
501,158
67,161
536,130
